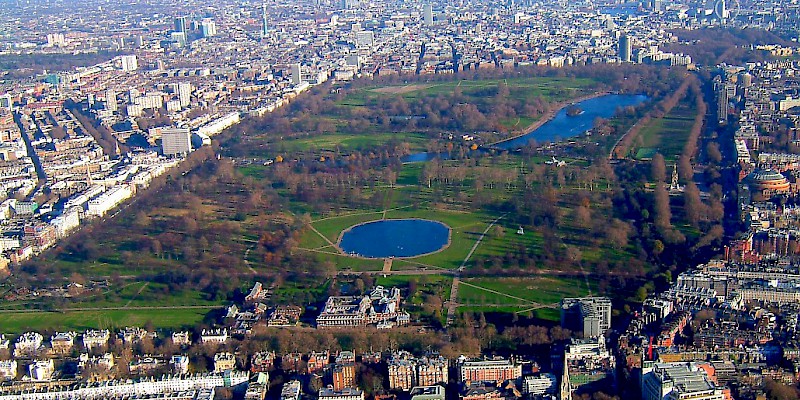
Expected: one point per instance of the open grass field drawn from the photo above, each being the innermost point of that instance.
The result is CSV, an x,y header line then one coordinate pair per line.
x,y
18,322
521,88
667,135
539,295
353,141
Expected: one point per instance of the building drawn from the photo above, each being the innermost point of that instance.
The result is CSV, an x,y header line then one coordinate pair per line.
x,y
214,336
129,63
291,390
103,203
432,370
587,364
381,306
343,376
625,49
96,339
317,361
680,381
29,343
344,394
208,28
63,342
143,388
180,24
264,26
179,364
182,339
8,370
297,74
224,362
262,361
184,91
402,373
590,315
498,370
41,370
176,141
434,392
427,14
540,384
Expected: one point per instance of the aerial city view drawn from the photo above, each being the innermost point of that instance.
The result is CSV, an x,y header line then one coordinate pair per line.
x,y
400,200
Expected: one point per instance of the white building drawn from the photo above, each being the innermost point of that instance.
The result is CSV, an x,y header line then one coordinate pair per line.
x,y
291,390
214,335
184,93
128,63
28,343
144,388
541,384
590,315
42,370
8,370
175,141
95,339
100,205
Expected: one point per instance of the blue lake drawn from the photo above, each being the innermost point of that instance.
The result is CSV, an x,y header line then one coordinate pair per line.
x,y
395,238
424,157
563,126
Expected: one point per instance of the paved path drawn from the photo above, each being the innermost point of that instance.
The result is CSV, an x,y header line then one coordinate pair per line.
x,y
141,289
452,305
387,264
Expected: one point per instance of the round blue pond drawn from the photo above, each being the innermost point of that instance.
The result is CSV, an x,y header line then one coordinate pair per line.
x,y
395,238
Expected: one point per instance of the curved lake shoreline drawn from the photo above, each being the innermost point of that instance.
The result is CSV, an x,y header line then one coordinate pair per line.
x,y
395,238
558,125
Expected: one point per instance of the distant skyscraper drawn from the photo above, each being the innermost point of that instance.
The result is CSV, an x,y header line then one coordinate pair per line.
x,y
625,48
175,141
657,5
111,100
427,14
180,24
264,25
185,93
129,63
208,28
297,74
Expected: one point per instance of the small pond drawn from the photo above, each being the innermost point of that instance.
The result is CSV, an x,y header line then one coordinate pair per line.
x,y
395,238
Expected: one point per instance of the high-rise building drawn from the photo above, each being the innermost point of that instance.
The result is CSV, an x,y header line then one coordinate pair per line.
x,y
297,74
111,100
590,315
208,28
343,376
6,101
129,63
179,38
175,141
180,25
184,91
625,49
657,6
427,14
264,26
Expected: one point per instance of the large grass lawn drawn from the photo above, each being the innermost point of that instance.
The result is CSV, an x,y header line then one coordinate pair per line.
x,y
667,135
542,290
16,323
